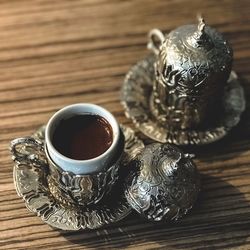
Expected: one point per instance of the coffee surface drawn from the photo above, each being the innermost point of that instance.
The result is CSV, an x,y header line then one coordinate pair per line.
x,y
83,137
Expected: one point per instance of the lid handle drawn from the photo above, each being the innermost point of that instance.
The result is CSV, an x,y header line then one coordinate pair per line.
x,y
200,39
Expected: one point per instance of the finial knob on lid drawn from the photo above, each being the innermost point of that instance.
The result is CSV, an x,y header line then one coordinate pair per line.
x,y
200,39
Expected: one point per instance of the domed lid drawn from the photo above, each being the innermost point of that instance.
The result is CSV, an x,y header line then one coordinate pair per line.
x,y
165,185
194,45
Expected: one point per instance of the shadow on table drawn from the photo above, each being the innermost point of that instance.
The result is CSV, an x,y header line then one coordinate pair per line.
x,y
220,218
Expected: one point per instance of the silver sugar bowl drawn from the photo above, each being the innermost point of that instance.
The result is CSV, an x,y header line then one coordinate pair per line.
x,y
193,64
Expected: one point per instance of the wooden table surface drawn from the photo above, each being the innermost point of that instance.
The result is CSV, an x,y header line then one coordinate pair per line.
x,y
55,53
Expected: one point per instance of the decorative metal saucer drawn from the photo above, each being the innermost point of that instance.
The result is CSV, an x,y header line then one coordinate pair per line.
x,y
136,99
32,185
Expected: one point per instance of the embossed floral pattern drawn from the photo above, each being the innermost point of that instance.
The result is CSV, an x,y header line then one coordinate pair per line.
x,y
167,184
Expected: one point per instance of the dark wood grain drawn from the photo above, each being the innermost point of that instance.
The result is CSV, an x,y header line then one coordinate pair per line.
x,y
54,53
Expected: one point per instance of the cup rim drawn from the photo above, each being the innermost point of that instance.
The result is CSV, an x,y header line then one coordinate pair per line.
x,y
112,121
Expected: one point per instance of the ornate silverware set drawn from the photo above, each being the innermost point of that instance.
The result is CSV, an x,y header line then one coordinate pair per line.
x,y
184,93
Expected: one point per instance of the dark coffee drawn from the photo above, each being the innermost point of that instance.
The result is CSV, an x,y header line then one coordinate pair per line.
x,y
83,137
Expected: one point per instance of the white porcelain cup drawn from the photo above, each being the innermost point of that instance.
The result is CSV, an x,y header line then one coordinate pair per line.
x,y
82,167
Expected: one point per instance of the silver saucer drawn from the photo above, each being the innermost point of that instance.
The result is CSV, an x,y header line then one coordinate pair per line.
x,y
136,96
31,184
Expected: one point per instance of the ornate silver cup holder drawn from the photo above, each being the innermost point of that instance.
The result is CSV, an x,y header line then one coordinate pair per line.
x,y
136,98
184,94
34,185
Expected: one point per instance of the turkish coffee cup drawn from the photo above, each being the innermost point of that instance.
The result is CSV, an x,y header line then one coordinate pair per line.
x,y
83,146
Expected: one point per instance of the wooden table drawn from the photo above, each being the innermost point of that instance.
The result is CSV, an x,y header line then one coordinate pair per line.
x,y
55,53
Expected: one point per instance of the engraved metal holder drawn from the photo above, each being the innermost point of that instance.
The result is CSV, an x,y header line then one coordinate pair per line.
x,y
66,186
81,189
59,198
185,92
